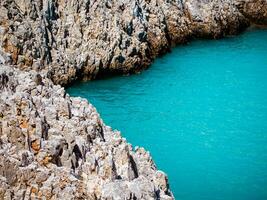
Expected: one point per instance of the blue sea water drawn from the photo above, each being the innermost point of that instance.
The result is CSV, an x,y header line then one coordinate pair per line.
x,y
201,111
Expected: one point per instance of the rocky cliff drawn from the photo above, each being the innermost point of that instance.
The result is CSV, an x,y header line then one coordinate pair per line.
x,y
53,146
72,39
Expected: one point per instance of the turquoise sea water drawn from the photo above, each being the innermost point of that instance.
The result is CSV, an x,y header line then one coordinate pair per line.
x,y
202,113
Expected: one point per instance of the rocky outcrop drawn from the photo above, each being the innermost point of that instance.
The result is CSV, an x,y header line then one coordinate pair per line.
x,y
54,146
88,39
254,10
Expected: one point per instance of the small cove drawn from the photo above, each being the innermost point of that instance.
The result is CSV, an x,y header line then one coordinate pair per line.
x,y
201,111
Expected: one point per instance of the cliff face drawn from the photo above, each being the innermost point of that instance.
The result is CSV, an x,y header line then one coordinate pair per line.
x,y
86,39
56,146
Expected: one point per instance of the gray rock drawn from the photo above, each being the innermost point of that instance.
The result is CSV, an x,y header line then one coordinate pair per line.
x,y
53,146
88,39
45,153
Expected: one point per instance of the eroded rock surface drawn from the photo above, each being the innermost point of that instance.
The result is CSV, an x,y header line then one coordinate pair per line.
x,y
53,146
89,38
57,147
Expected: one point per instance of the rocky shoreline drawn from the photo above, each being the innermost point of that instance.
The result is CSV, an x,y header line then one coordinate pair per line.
x,y
53,146
57,147
88,39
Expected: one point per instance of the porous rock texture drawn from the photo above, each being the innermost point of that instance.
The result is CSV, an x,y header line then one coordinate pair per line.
x,y
53,146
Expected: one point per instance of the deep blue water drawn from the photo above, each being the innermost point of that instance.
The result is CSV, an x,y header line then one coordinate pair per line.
x,y
202,113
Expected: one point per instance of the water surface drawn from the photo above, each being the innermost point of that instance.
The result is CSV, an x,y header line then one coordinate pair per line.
x,y
202,113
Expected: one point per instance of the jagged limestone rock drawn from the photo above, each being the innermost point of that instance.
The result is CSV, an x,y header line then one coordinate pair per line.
x,y
72,39
53,146
56,146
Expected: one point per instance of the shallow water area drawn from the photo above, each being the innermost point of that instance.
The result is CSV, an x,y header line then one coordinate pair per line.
x,y
201,111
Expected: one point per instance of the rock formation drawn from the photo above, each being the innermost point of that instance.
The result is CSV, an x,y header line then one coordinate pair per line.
x,y
53,146
72,39
57,147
